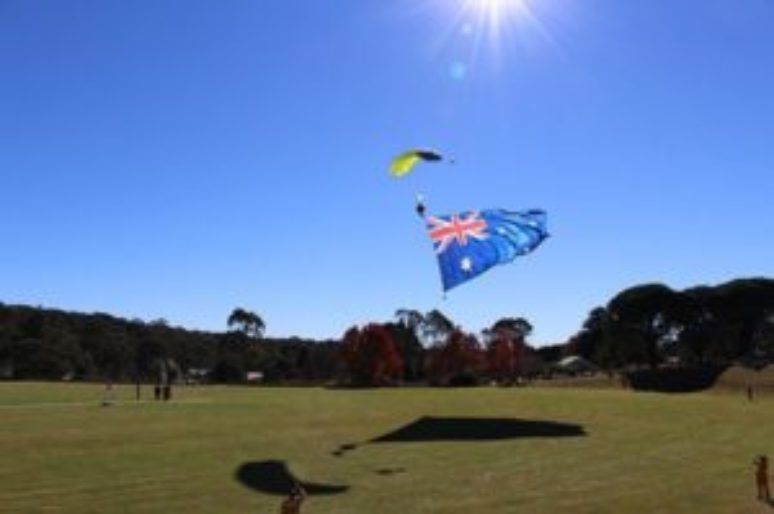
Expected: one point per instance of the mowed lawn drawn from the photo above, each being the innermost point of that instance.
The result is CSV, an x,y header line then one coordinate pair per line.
x,y
641,453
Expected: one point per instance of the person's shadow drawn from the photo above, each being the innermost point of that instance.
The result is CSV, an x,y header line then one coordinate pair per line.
x,y
274,477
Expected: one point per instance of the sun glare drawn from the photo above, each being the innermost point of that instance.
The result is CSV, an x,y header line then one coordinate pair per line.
x,y
494,13
495,21
485,31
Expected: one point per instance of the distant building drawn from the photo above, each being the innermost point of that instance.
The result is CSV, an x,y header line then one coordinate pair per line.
x,y
196,375
575,364
254,376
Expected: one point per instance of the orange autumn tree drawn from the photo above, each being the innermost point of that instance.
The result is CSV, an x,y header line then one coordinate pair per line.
x,y
458,360
505,357
370,356
507,352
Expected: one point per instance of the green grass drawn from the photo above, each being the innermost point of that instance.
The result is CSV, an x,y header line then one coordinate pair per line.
x,y
61,452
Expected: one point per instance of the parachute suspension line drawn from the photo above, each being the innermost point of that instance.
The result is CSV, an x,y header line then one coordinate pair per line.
x,y
421,208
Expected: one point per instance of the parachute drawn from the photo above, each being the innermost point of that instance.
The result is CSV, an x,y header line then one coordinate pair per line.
x,y
405,162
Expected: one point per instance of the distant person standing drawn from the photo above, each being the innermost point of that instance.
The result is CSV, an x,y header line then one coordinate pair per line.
x,y
292,504
762,477
750,392
109,396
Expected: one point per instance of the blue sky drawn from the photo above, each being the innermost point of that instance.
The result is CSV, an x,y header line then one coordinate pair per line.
x,y
177,159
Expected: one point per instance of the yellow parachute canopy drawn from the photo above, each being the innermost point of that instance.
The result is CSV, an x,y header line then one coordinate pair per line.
x,y
406,161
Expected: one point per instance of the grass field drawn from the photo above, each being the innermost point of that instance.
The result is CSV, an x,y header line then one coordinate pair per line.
x,y
61,452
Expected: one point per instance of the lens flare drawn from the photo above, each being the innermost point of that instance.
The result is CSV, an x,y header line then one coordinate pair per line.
x,y
458,70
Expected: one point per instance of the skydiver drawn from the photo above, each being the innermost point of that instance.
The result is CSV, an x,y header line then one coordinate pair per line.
x,y
420,206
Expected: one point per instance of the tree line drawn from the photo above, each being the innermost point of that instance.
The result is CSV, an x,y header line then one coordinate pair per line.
x,y
648,325
651,324
38,343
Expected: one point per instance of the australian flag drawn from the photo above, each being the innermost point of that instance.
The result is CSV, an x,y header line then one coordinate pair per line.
x,y
468,244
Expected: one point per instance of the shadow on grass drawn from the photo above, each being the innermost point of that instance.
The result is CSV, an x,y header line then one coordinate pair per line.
x,y
389,471
431,429
343,449
274,477
428,429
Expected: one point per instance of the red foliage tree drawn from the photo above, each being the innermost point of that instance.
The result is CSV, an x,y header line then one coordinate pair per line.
x,y
370,356
458,359
506,356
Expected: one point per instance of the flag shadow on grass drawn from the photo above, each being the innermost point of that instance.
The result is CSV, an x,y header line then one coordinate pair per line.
x,y
274,477
433,429
429,429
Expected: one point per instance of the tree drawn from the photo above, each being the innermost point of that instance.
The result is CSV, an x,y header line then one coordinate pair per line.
x,y
514,328
764,337
228,368
456,361
588,342
406,334
436,327
246,322
641,317
410,349
743,304
370,356
507,349
409,318
503,358
150,350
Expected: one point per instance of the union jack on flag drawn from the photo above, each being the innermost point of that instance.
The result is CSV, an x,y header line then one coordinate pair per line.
x,y
468,244
457,229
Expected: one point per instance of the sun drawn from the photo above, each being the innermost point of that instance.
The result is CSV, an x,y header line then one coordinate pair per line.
x,y
494,8
494,13
495,20
485,32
